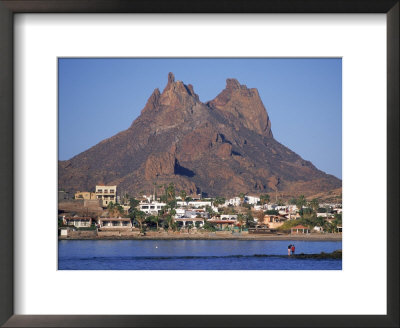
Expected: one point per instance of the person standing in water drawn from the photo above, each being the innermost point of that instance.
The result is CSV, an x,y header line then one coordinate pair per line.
x,y
289,248
293,249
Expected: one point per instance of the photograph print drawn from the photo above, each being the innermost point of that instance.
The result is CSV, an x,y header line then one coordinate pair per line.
x,y
199,164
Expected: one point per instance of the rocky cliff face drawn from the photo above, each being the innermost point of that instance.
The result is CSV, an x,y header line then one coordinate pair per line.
x,y
222,147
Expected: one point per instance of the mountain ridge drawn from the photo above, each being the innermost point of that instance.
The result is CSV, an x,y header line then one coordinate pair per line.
x,y
221,147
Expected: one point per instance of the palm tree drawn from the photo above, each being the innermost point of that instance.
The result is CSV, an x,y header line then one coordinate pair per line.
x,y
219,201
170,221
241,196
156,220
170,190
264,199
314,204
241,219
182,194
249,219
140,218
301,201
320,222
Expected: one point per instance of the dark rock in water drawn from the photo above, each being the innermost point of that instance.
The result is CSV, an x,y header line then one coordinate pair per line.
x,y
334,255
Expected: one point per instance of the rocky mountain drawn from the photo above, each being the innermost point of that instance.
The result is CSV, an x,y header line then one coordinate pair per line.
x,y
222,147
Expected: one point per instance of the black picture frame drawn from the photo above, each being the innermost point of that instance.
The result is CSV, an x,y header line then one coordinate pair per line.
x,y
10,7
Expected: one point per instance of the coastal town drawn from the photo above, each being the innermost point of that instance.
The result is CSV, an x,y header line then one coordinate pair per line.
x,y
105,213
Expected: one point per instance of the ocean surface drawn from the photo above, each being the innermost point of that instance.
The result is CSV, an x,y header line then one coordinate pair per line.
x,y
193,255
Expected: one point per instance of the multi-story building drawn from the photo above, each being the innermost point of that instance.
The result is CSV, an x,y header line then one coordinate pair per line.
x,y
151,208
106,194
252,200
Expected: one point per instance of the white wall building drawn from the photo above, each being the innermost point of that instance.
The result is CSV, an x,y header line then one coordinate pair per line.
x,y
180,213
252,200
228,217
233,201
151,208
195,203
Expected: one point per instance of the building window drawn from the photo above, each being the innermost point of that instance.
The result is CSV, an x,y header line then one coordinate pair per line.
x,y
111,191
100,190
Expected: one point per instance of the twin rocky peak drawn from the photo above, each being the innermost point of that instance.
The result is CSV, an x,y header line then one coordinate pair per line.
x,y
235,102
221,148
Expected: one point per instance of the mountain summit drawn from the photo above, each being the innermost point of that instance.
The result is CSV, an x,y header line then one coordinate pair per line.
x,y
222,147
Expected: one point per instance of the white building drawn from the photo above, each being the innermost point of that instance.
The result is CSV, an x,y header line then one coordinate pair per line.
x,y
191,213
228,217
252,200
180,213
77,221
233,201
195,203
151,208
318,229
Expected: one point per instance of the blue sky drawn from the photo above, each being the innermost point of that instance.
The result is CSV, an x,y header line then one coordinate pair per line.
x,y
303,97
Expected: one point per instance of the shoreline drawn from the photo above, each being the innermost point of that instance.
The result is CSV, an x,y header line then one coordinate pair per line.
x,y
309,237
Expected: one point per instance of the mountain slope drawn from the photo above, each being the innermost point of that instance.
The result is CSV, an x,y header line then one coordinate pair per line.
x,y
222,147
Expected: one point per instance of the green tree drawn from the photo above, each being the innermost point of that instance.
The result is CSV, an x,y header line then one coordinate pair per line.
x,y
208,226
264,199
300,202
241,220
155,219
219,201
314,204
249,220
115,209
170,192
133,203
170,221
183,195
280,202
289,224
241,196
209,210
320,222
140,217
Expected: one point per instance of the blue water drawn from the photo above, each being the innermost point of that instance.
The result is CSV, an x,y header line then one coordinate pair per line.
x,y
192,255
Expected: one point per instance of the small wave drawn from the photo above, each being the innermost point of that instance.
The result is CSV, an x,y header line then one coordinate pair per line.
x,y
192,257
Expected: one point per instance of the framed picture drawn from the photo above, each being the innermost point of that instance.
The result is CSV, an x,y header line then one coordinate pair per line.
x,y
53,68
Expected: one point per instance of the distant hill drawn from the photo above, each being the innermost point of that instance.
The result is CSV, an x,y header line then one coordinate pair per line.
x,y
222,147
